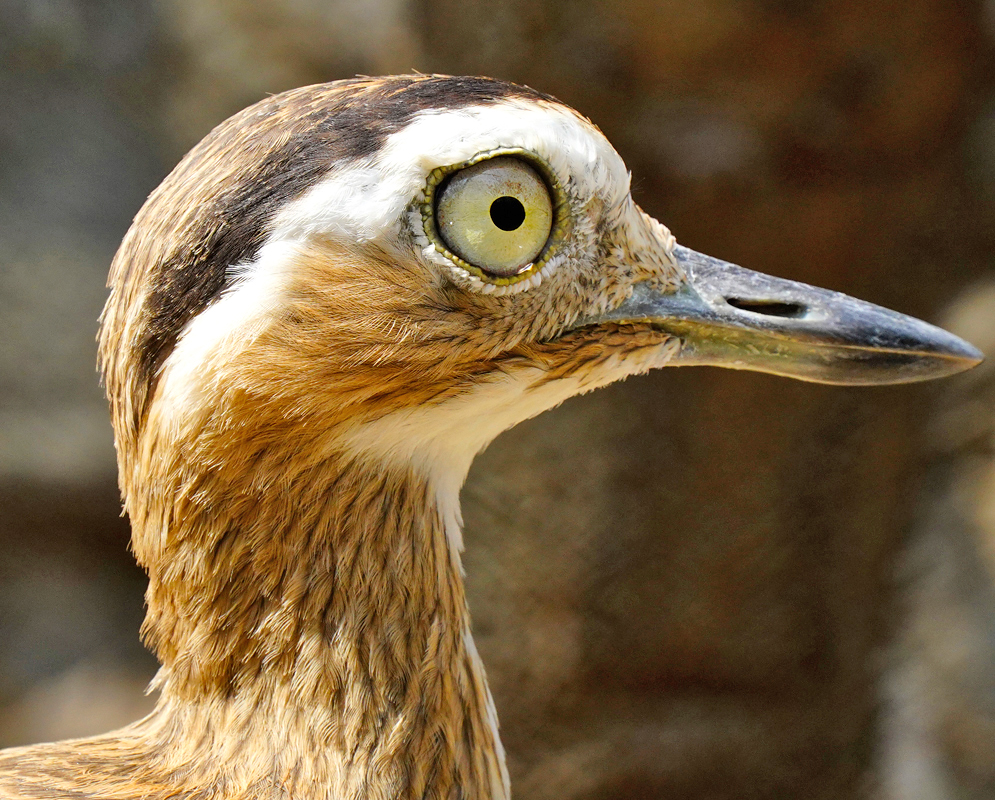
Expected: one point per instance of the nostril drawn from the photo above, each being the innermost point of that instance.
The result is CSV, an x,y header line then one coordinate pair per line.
x,y
770,308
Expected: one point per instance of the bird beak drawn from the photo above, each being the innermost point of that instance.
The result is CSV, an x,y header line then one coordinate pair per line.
x,y
728,316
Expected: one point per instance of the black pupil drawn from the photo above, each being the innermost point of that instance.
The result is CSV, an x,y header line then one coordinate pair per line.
x,y
508,213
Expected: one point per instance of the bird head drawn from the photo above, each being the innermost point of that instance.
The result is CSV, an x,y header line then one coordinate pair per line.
x,y
405,267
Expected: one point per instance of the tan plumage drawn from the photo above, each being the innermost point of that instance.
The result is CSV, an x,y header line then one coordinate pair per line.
x,y
295,405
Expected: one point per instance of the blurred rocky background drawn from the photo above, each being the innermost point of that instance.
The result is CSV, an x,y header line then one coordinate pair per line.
x,y
697,584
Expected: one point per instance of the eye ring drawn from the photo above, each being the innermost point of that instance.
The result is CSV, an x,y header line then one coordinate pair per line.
x,y
561,219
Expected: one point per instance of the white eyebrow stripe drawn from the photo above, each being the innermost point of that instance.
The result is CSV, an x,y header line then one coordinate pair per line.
x,y
364,201
368,199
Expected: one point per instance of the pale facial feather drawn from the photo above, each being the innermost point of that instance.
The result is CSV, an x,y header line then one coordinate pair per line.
x,y
361,209
442,439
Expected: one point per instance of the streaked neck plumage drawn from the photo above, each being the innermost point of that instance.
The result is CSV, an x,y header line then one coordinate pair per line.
x,y
314,635
299,380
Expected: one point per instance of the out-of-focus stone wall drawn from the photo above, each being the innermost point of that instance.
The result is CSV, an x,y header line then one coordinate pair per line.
x,y
682,585
80,84
940,690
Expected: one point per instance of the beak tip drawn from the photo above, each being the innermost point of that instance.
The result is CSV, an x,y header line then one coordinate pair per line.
x,y
973,355
959,354
968,356
924,353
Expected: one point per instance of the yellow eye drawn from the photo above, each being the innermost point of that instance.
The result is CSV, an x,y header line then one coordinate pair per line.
x,y
496,215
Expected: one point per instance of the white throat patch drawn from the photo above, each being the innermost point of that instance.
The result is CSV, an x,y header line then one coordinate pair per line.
x,y
440,440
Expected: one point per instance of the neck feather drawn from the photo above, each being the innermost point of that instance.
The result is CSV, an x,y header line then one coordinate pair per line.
x,y
314,636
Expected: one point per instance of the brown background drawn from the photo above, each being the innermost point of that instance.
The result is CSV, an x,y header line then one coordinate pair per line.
x,y
697,584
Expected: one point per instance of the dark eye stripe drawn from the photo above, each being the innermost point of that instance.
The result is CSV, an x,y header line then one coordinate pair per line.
x,y
280,146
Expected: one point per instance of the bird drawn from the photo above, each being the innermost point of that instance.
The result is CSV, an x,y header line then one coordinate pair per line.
x,y
337,299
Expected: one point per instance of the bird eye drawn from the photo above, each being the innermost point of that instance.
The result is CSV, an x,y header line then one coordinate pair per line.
x,y
496,214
